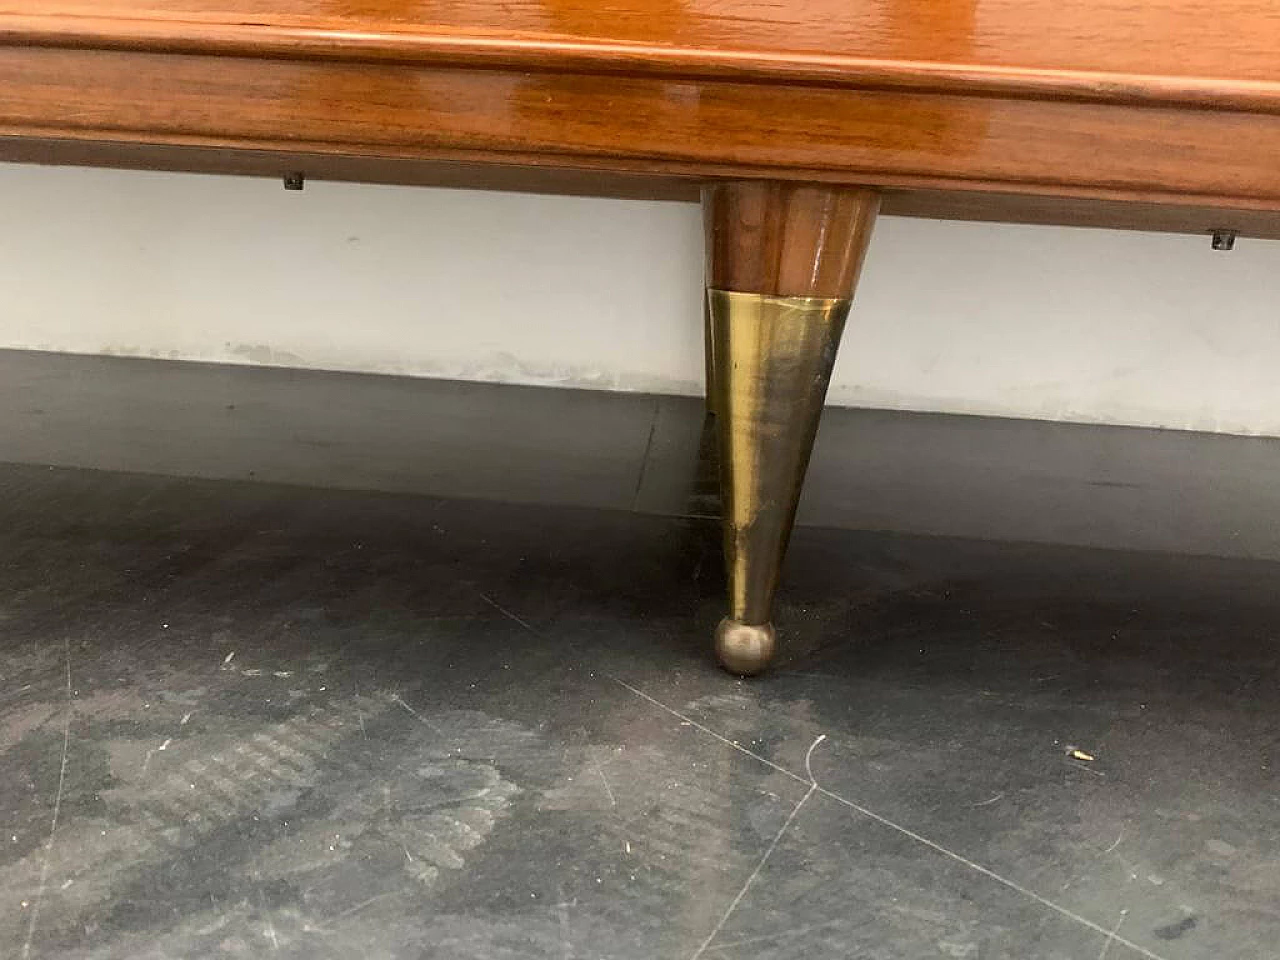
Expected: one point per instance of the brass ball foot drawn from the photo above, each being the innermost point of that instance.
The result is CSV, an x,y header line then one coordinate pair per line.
x,y
745,648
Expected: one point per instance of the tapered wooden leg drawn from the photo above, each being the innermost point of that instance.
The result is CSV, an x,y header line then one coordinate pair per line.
x,y
783,261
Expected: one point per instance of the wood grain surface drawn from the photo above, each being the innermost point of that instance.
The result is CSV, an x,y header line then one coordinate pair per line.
x,y
787,239
1223,41
1170,102
571,181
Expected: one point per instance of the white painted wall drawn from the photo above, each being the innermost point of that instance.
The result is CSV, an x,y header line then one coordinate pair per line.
x,y
1086,325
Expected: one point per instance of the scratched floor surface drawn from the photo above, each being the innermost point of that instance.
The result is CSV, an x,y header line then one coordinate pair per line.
x,y
246,720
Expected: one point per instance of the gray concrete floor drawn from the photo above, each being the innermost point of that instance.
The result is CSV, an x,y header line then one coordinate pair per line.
x,y
470,711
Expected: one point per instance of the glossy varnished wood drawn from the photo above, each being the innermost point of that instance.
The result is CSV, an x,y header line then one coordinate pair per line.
x,y
786,239
580,181
638,125
1091,48
1112,100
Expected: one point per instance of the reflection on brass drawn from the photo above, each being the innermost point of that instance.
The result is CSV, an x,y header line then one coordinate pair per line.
x,y
773,359
709,354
